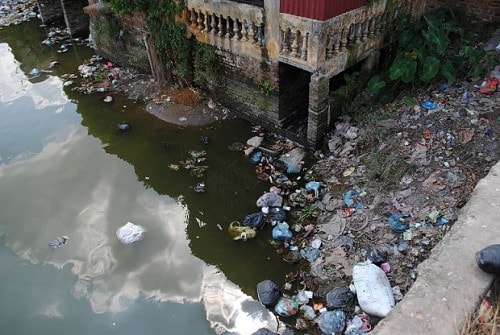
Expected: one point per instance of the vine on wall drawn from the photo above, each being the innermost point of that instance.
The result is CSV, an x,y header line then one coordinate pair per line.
x,y
169,36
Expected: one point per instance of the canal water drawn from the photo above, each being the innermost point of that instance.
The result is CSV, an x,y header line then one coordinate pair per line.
x,y
66,170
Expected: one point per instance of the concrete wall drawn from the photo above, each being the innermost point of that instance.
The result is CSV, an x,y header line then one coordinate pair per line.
x,y
121,40
76,21
50,11
238,86
68,11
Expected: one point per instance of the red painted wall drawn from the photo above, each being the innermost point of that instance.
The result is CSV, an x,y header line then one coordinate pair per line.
x,y
319,9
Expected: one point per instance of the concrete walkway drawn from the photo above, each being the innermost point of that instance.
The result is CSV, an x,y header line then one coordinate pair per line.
x,y
450,285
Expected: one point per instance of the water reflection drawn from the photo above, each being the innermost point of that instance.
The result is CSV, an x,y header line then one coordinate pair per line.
x,y
57,180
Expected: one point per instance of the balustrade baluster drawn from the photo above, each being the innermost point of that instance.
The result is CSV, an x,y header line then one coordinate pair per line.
x,y
228,28
364,30
251,33
213,24
303,50
344,39
295,45
220,26
236,30
351,37
371,27
193,18
206,23
200,21
284,46
357,36
329,46
244,31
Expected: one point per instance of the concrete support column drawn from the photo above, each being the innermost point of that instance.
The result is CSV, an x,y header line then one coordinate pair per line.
x,y
370,65
50,11
76,20
319,109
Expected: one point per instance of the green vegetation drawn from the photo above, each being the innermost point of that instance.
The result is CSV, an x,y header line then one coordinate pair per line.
x,y
204,62
266,87
388,167
435,47
169,35
306,213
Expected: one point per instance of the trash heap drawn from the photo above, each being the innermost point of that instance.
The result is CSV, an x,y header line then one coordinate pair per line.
x,y
379,196
17,11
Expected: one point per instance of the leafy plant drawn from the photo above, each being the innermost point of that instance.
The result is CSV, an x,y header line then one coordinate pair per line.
x,y
306,213
434,47
169,35
266,87
204,62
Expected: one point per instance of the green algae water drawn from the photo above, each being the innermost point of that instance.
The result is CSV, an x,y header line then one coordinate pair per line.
x,y
66,170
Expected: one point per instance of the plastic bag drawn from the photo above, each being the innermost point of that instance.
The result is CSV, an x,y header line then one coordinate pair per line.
x,y
286,306
58,242
309,253
130,233
239,232
339,297
268,292
332,322
488,259
270,199
255,220
308,312
277,214
373,289
281,232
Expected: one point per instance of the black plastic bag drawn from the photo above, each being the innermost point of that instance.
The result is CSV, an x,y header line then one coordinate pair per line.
x,y
339,297
276,214
255,220
376,256
488,259
268,292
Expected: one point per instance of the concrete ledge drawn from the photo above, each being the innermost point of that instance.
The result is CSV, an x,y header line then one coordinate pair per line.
x,y
450,285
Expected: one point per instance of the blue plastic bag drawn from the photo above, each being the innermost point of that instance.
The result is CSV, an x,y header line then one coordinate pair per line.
x,y
332,322
281,232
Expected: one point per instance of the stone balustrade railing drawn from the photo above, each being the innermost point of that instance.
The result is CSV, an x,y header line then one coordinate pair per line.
x,y
235,28
313,45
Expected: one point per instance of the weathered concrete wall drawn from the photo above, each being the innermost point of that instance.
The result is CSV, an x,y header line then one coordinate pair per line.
x,y
50,11
480,10
76,21
68,11
238,86
121,40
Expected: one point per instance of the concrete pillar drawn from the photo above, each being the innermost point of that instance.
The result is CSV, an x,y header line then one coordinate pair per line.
x,y
272,29
76,20
319,109
50,11
369,65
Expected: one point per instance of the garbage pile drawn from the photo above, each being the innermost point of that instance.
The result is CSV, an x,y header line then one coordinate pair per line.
x,y
17,11
379,196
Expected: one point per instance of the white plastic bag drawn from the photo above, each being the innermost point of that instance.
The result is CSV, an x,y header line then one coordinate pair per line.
x,y
373,289
130,233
